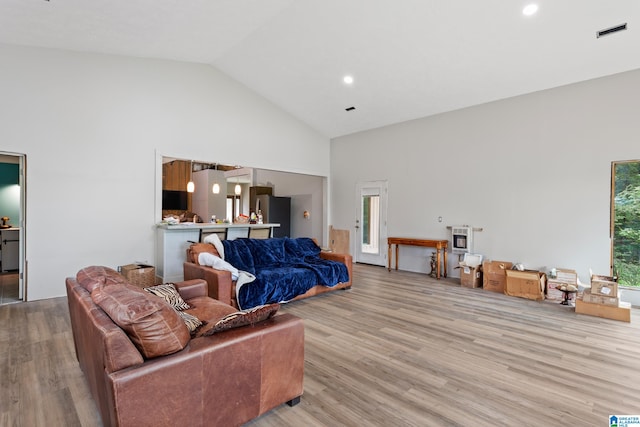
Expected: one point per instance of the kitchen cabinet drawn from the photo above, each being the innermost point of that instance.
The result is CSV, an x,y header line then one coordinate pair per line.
x,y
176,175
10,249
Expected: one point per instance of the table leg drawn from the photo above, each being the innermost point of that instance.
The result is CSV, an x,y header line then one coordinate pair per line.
x,y
445,262
389,256
397,255
437,263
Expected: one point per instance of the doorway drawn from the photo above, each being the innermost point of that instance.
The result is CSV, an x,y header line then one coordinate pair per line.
x,y
371,223
12,227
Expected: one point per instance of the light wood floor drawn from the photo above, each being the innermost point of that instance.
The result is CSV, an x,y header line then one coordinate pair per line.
x,y
399,349
9,292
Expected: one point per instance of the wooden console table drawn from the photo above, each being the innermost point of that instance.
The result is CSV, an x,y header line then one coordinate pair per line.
x,y
437,244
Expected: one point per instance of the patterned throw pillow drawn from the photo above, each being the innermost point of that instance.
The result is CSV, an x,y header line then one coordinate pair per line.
x,y
190,320
243,318
170,294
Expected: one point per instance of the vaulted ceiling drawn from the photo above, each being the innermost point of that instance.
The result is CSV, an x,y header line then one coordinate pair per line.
x,y
408,58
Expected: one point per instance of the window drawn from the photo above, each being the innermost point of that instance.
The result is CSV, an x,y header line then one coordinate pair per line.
x,y
625,221
370,224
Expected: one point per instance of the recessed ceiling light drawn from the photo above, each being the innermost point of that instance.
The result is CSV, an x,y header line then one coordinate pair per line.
x,y
348,80
530,9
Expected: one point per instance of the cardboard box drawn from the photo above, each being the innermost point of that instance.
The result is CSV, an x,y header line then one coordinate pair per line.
x,y
471,260
470,277
139,274
494,276
604,287
565,275
622,312
600,299
553,293
601,277
528,284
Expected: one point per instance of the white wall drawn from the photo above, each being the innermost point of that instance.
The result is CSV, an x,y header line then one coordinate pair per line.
x,y
307,193
93,128
533,171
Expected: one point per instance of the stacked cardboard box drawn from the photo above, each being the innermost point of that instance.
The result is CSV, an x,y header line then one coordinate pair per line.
x,y
595,298
604,287
564,277
528,284
470,277
471,271
494,275
603,300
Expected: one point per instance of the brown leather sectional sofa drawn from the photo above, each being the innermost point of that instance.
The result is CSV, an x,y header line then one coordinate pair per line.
x,y
224,379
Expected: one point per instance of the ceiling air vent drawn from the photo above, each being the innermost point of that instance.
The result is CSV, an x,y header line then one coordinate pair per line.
x,y
349,108
611,30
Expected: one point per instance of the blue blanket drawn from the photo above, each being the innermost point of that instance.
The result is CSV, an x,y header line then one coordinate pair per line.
x,y
284,268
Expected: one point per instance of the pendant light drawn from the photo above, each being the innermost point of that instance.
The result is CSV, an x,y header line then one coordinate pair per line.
x,y
238,189
216,187
190,185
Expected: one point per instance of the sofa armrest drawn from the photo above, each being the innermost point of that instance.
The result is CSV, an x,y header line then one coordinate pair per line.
x,y
218,281
192,288
346,259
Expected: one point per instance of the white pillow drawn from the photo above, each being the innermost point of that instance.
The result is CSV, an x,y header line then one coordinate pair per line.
x,y
214,239
205,258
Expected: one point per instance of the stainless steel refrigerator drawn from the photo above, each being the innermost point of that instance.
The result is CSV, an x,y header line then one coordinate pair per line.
x,y
275,210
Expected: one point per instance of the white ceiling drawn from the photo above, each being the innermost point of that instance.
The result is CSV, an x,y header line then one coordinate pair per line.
x,y
409,58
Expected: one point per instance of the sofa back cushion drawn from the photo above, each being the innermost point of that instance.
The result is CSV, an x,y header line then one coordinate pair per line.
x,y
153,326
267,252
254,254
300,248
96,276
238,254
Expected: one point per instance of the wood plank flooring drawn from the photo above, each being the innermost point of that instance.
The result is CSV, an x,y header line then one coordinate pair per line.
x,y
399,349
9,288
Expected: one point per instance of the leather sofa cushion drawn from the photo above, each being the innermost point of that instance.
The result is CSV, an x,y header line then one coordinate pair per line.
x,y
97,275
153,326
209,311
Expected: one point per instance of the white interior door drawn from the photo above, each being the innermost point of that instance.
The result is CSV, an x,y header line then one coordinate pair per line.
x,y
371,223
13,240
